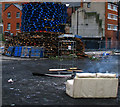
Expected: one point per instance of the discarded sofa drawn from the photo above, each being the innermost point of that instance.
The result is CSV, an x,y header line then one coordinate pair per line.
x,y
93,85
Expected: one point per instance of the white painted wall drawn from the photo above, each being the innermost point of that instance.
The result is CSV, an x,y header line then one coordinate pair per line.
x,y
92,29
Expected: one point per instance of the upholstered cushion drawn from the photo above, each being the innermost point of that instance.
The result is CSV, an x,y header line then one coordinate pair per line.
x,y
105,75
85,75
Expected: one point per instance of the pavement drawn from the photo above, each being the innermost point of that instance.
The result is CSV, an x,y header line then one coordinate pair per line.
x,y
27,89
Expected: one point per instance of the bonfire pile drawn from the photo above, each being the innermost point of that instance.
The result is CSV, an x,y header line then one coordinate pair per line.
x,y
47,40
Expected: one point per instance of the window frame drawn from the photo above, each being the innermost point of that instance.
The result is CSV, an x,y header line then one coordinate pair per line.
x,y
114,28
88,5
16,26
17,14
114,7
108,16
8,27
110,27
115,17
8,15
109,6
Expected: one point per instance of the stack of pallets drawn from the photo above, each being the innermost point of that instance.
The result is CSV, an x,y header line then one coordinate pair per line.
x,y
9,51
17,51
25,51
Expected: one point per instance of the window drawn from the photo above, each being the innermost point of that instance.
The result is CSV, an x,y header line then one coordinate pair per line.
x,y
8,26
109,6
109,16
112,16
115,17
115,27
114,7
17,26
18,15
109,27
88,5
9,15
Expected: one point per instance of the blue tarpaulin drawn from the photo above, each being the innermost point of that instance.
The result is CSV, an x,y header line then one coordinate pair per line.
x,y
78,36
70,35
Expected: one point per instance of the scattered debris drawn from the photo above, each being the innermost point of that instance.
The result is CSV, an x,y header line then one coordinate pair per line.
x,y
11,88
12,104
10,81
28,96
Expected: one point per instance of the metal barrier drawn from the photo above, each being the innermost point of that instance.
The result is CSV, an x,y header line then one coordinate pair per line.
x,y
101,45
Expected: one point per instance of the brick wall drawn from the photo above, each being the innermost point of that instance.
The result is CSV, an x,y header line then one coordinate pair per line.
x,y
13,20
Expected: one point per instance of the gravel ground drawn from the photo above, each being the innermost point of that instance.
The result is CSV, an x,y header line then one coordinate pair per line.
x,y
41,90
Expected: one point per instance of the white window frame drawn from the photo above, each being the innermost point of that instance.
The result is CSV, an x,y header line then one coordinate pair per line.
x,y
8,26
18,14
109,6
16,26
115,17
114,7
109,15
114,28
110,26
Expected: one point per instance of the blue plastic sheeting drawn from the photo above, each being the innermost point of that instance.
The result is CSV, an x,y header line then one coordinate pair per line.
x,y
105,54
70,35
78,36
17,51
10,51
66,35
25,51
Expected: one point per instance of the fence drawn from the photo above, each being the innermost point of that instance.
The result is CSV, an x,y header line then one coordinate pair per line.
x,y
101,45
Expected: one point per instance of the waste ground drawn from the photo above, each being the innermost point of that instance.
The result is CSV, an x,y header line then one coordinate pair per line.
x,y
27,89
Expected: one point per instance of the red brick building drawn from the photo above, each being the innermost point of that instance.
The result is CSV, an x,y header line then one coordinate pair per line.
x,y
11,15
111,24
110,15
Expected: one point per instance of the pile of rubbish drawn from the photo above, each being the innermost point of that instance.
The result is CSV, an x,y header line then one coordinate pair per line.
x,y
60,72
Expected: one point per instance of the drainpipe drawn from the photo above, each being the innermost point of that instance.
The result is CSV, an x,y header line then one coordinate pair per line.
x,y
118,20
77,22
